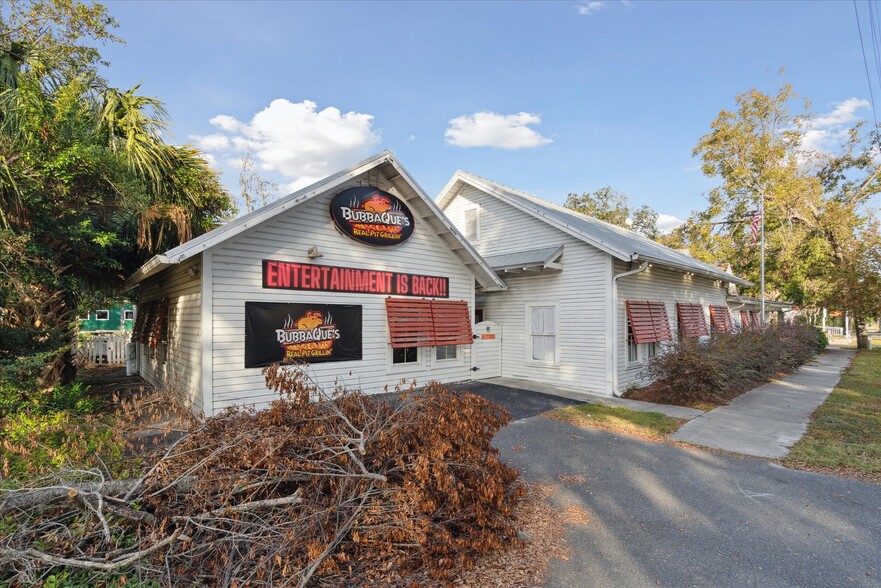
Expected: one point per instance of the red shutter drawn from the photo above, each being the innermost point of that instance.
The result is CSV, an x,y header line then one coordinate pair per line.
x,y
649,321
427,323
158,317
745,320
754,316
452,322
409,322
721,319
692,322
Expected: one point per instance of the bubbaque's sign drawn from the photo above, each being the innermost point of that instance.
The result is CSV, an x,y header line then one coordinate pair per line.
x,y
293,333
285,275
372,216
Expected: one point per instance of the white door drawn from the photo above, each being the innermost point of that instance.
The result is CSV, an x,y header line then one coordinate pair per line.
x,y
486,351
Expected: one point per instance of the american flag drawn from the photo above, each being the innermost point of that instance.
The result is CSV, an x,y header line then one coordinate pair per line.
x,y
754,225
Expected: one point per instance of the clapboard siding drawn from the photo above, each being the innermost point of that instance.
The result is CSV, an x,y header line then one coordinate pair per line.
x,y
669,287
579,291
176,364
237,277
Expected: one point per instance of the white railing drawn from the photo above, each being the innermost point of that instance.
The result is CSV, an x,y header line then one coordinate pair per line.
x,y
103,348
836,331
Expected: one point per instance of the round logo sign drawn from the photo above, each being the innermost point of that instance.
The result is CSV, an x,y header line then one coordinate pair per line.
x,y
372,216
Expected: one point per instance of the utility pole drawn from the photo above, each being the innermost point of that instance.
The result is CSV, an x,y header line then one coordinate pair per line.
x,y
762,213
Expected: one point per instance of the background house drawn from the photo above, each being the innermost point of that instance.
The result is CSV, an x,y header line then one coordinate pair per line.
x,y
113,318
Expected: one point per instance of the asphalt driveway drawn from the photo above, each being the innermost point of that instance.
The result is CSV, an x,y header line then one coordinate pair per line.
x,y
663,515
520,403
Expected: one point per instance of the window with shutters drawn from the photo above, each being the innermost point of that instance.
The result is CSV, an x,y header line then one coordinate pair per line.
x,y
647,326
472,224
692,322
542,329
720,318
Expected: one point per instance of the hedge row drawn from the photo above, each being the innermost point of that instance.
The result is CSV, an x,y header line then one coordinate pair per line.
x,y
727,365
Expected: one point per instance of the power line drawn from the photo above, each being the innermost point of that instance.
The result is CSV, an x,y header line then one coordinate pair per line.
x,y
866,64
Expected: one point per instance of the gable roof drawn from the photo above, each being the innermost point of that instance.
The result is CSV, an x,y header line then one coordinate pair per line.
x,y
617,241
394,173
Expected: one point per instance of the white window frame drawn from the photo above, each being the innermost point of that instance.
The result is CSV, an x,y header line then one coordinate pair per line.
x,y
529,334
457,358
477,216
126,313
418,365
642,349
97,318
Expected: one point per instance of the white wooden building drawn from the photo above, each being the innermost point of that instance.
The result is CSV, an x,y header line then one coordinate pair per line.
x,y
210,310
587,303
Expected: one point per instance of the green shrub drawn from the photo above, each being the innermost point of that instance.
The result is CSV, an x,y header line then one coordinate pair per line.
x,y
822,339
714,372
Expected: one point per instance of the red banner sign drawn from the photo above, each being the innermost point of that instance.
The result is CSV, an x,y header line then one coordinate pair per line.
x,y
285,275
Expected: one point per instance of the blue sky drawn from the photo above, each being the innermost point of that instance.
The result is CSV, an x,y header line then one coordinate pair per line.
x,y
547,97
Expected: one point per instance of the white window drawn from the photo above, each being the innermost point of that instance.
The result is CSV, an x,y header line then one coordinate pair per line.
x,y
472,224
102,315
542,325
128,315
632,347
639,353
445,352
405,355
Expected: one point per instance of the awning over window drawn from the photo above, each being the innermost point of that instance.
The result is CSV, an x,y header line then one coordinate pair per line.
x,y
692,322
428,323
721,319
648,321
148,325
745,320
754,319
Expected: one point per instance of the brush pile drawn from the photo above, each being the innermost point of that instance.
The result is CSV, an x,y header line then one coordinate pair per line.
x,y
336,489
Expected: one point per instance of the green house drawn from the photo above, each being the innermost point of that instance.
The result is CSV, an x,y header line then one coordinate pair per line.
x,y
114,318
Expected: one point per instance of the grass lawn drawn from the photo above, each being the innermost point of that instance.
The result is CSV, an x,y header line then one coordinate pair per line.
x,y
647,425
845,432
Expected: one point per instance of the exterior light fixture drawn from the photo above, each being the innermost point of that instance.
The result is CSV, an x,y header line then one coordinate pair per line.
x,y
313,252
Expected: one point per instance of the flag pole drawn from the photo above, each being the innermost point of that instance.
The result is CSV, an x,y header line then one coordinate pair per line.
x,y
762,214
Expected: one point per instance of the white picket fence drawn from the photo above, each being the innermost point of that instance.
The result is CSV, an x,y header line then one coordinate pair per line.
x,y
835,331
103,348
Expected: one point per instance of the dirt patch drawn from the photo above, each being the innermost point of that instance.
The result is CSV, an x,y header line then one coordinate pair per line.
x,y
660,394
843,472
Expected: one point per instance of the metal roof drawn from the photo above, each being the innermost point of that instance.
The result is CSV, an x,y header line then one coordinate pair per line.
x,y
617,241
395,174
531,258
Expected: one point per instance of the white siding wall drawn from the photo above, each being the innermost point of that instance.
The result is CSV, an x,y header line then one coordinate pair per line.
x,y
237,277
177,364
668,286
579,291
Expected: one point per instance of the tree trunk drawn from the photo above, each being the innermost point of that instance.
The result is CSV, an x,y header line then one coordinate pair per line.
x,y
862,330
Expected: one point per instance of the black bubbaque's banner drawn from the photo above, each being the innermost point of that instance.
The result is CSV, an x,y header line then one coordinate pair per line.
x,y
286,275
372,216
292,333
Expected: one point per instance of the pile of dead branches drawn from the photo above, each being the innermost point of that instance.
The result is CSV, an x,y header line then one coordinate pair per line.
x,y
317,489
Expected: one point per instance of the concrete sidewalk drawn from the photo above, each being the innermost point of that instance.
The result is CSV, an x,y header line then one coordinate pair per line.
x,y
679,412
768,420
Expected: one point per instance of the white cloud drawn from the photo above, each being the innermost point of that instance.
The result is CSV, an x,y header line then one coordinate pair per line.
x,y
490,129
668,222
215,142
826,131
588,7
295,139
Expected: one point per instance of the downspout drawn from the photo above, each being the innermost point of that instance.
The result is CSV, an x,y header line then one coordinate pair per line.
x,y
614,319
